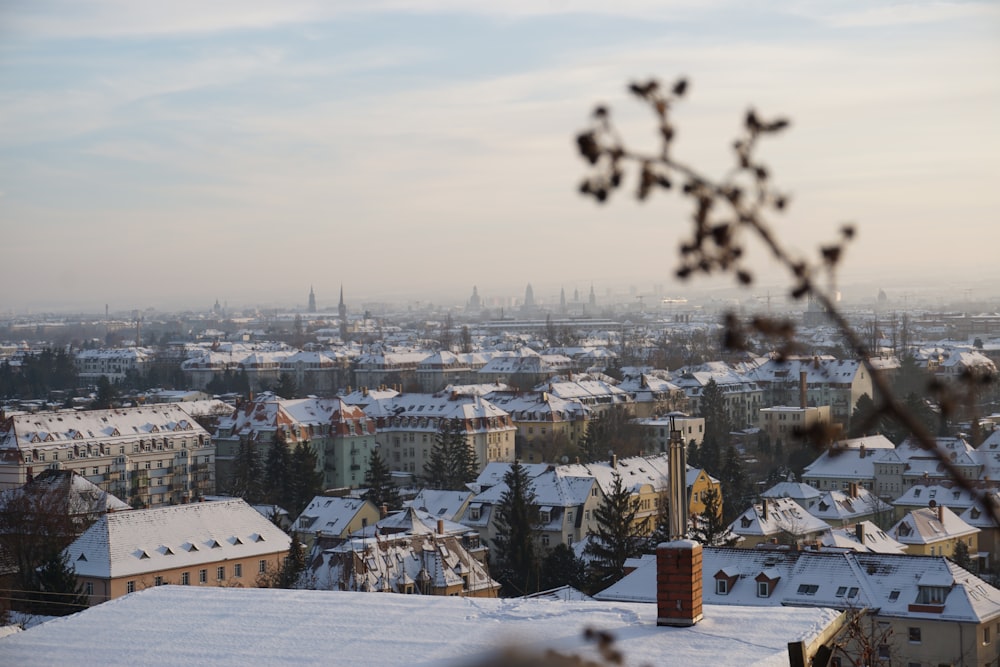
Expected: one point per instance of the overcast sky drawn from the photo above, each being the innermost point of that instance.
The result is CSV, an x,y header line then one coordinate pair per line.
x,y
165,154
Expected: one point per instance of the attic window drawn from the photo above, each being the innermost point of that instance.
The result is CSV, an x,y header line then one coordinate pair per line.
x,y
808,589
259,538
823,507
763,589
143,555
745,522
852,592
192,547
841,590
215,545
722,586
167,551
82,557
916,493
893,596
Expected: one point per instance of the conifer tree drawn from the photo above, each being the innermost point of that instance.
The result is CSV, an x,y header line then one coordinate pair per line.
x,y
514,551
618,535
246,479
306,481
561,567
56,591
462,457
277,473
708,526
436,469
381,489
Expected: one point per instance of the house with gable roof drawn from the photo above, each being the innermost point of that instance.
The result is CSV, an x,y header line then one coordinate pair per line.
x,y
327,516
543,421
824,380
778,521
862,536
839,508
935,531
441,503
223,543
846,462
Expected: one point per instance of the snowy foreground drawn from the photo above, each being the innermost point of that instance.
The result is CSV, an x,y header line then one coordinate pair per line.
x,y
172,625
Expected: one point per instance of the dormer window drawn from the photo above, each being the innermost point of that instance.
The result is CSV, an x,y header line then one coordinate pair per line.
x,y
745,522
722,586
932,594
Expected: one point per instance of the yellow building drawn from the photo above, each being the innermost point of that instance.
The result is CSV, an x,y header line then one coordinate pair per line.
x,y
935,531
224,543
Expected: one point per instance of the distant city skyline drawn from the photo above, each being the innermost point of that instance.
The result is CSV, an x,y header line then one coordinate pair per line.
x,y
165,156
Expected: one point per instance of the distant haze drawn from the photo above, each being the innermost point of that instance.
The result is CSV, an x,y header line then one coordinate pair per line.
x,y
170,154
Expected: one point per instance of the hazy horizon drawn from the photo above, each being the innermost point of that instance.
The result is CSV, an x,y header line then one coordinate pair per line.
x,y
168,155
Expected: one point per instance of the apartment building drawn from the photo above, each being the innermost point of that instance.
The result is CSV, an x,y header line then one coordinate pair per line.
x,y
150,455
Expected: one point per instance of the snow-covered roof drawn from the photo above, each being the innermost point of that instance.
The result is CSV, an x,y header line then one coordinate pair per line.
x,y
839,507
328,515
441,503
774,516
841,580
140,541
862,536
219,627
929,525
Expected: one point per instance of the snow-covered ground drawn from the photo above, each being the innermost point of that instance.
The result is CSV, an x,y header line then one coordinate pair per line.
x,y
179,625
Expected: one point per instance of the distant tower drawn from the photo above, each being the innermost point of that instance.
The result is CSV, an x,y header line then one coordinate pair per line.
x,y
562,300
475,303
593,297
342,314
529,297
576,295
312,300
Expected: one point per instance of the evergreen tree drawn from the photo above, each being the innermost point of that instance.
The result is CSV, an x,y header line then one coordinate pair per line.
x,y
590,444
436,470
866,419
305,480
107,395
452,462
516,519
56,591
717,428
708,526
561,567
381,489
461,457
286,387
278,473
246,479
735,484
618,535
961,556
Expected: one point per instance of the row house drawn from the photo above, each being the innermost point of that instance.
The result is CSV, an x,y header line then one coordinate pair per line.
x,y
225,543
743,396
924,610
598,393
542,420
261,363
443,368
653,396
151,455
375,369
114,364
342,436
815,381
524,368
318,372
407,425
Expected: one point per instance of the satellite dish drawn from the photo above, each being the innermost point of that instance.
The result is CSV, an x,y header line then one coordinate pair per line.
x,y
932,503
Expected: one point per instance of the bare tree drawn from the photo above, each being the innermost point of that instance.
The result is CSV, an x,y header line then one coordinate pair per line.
x,y
726,213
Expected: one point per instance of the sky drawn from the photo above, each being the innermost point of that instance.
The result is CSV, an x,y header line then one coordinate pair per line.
x,y
165,155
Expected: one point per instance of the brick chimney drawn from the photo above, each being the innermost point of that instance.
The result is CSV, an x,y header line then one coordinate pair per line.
x,y
678,583
440,527
859,532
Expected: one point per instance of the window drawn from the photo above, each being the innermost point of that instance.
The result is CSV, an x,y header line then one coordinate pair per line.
x,y
262,566
158,581
545,539
763,589
220,572
841,591
893,596
986,636
88,588
722,586
185,578
914,635
202,576
238,570
130,587
883,651
808,589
